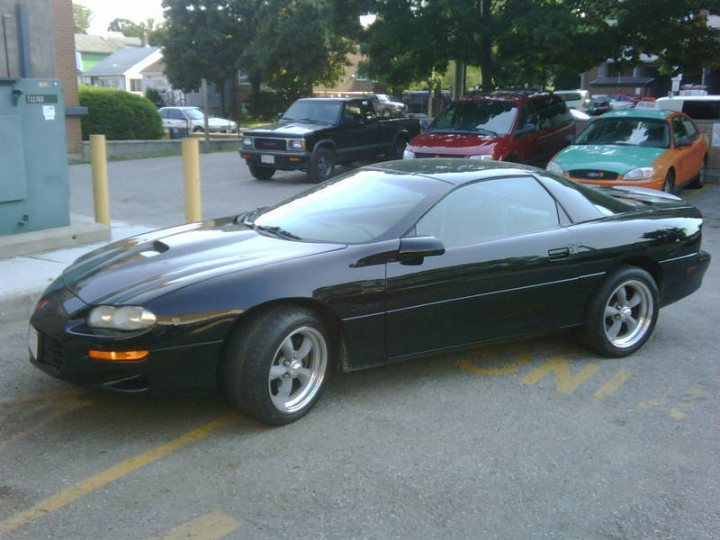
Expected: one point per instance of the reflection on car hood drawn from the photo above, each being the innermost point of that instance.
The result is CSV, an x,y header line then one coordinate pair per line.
x,y
616,158
214,121
283,130
453,143
149,265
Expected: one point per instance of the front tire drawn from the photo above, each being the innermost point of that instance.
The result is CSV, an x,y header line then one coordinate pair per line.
x,y
277,364
621,315
261,173
322,165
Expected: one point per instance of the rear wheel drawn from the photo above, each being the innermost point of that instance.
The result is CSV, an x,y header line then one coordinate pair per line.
x,y
399,148
277,364
622,314
322,165
669,185
699,181
261,173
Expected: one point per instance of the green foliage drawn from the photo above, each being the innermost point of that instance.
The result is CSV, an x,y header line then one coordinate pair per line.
x,y
119,115
267,105
81,18
155,97
153,32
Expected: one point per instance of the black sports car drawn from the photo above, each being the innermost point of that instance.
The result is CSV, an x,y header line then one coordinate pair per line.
x,y
384,263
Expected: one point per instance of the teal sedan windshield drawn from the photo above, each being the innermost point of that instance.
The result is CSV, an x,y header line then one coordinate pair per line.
x,y
627,132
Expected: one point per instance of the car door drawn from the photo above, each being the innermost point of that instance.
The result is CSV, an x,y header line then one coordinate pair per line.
x,y
682,152
547,132
351,138
176,119
696,150
508,270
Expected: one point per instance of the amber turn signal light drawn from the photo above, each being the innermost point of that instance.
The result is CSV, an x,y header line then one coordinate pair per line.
x,y
117,356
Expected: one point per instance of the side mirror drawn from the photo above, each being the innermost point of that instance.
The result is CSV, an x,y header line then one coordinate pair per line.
x,y
414,249
525,130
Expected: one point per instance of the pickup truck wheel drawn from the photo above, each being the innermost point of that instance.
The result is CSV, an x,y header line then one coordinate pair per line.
x,y
399,148
322,165
261,173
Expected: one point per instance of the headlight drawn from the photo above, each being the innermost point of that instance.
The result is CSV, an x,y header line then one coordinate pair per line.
x,y
407,154
247,141
121,318
297,144
481,157
641,173
553,167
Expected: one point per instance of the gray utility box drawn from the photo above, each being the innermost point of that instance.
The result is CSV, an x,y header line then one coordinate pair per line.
x,y
34,191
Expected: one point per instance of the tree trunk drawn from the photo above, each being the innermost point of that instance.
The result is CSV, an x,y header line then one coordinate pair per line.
x,y
486,59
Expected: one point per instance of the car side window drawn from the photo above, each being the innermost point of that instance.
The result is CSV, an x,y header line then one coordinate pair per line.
x,y
368,108
545,114
679,129
692,132
353,111
561,115
528,115
163,114
175,114
490,209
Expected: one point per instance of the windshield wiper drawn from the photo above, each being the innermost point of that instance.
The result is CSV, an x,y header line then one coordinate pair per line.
x,y
249,217
277,231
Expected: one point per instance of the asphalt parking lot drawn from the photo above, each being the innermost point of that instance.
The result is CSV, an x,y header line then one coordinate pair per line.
x,y
534,439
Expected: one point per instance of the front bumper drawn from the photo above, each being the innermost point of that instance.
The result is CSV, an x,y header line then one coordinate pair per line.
x,y
284,161
651,183
63,342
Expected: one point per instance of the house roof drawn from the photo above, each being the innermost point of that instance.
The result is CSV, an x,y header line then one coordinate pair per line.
x,y
86,43
121,61
621,81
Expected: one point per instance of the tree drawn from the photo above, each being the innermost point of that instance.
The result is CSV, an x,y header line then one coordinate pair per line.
x,y
146,29
81,18
512,41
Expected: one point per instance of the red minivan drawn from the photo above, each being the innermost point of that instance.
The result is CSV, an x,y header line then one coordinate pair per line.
x,y
503,126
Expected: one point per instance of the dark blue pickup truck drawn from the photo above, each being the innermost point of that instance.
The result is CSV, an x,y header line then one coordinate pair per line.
x,y
315,134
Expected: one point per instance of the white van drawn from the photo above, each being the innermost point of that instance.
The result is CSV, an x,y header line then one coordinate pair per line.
x,y
574,99
696,107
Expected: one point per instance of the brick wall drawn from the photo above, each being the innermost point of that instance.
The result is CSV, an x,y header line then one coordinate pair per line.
x,y
66,68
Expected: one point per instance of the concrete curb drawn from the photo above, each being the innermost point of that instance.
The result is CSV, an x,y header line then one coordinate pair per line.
x,y
79,232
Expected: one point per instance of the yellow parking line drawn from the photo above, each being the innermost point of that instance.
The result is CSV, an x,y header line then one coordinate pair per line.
x,y
612,385
212,526
694,193
75,492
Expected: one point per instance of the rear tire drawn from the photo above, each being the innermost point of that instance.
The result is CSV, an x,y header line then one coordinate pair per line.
x,y
277,364
398,148
622,313
261,173
669,185
699,181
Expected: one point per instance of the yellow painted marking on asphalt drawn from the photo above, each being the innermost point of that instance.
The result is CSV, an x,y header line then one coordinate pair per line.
x,y
565,381
676,415
59,412
508,369
612,385
101,479
212,526
691,396
694,193
643,405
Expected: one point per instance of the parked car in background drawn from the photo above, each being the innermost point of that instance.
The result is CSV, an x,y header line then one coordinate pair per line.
x,y
697,107
620,102
385,263
315,134
574,99
416,101
503,126
192,119
599,104
384,106
639,147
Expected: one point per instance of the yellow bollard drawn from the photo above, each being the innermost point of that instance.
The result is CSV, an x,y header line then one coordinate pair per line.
x,y
101,197
191,175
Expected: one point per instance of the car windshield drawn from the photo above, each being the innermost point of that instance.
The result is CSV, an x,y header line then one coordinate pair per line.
x,y
313,111
383,97
627,132
194,114
486,117
358,207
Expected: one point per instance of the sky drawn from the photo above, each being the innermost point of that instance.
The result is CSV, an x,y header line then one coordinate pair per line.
x,y
104,11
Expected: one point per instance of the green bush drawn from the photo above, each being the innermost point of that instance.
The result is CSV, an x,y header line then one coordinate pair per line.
x,y
155,97
118,115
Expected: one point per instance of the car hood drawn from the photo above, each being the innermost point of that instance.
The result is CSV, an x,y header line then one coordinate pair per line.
x,y
615,158
453,143
137,269
292,129
214,121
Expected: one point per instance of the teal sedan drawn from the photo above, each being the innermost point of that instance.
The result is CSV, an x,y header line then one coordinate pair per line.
x,y
646,148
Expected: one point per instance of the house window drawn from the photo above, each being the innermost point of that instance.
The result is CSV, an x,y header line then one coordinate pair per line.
x,y
136,85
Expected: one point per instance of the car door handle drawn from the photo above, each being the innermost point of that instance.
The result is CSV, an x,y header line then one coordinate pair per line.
x,y
558,253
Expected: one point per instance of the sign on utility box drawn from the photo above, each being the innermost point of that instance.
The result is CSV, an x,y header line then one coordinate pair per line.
x,y
34,190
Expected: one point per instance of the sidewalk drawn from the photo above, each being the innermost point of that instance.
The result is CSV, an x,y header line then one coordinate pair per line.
x,y
24,277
